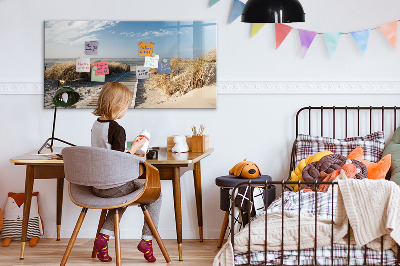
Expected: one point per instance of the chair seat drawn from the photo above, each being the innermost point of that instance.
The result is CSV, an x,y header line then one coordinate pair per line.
x,y
83,196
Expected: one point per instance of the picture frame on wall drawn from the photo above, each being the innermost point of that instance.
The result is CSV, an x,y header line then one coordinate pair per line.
x,y
166,64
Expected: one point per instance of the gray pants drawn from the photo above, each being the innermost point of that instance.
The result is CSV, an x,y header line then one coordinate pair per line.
x,y
154,208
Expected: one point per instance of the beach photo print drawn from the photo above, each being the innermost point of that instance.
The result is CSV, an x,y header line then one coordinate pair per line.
x,y
166,64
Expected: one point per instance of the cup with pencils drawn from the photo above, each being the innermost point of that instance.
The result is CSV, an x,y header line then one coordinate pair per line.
x,y
199,140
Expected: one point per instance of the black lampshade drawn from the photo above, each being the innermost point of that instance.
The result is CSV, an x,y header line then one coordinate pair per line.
x,y
65,96
273,11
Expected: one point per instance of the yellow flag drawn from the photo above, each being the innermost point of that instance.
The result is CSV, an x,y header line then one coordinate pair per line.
x,y
255,28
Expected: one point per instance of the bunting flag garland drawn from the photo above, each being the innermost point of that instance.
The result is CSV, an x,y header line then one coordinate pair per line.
x,y
361,37
332,41
237,8
281,31
306,39
256,27
389,30
213,2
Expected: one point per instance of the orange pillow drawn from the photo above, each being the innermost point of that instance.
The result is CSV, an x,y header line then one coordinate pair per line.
x,y
375,170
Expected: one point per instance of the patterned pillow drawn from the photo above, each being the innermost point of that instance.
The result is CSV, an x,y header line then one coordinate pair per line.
x,y
372,145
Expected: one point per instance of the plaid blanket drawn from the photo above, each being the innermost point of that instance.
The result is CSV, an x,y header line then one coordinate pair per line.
x,y
323,205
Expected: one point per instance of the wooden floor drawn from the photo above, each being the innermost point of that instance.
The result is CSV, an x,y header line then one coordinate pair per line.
x,y
50,252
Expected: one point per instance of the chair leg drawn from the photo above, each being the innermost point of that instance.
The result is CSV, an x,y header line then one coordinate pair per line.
x,y
73,237
154,230
101,222
223,229
117,239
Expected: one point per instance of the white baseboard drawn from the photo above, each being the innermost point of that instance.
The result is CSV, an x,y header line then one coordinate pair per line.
x,y
259,87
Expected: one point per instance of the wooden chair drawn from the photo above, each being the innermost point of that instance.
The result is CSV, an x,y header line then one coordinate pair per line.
x,y
85,167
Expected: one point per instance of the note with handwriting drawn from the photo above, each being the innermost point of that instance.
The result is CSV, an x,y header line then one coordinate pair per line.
x,y
142,72
83,65
91,47
151,62
94,78
102,68
164,67
145,48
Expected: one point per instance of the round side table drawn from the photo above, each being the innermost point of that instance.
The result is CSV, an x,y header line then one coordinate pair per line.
x,y
228,182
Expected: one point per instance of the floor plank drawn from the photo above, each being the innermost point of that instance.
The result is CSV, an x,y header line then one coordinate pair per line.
x,y
50,252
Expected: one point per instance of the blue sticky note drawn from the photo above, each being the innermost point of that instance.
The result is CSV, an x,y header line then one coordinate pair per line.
x,y
164,67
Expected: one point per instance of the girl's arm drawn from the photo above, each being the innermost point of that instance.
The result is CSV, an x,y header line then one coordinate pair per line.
x,y
136,145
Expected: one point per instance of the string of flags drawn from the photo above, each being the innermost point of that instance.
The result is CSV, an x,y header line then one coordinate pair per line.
x,y
361,37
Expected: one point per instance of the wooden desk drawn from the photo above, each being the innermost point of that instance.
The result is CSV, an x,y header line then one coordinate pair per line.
x,y
171,167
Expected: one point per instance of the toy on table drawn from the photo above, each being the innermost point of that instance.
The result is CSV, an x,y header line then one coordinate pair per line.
x,y
13,215
245,169
144,134
180,144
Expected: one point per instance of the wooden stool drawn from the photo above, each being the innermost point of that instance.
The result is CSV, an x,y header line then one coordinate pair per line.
x,y
226,183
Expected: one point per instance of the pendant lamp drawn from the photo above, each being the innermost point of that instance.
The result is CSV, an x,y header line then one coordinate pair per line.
x,y
273,11
64,97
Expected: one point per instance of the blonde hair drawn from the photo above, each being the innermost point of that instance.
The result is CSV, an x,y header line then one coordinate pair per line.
x,y
114,97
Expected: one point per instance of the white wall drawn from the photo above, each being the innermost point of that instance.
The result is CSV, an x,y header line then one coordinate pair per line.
x,y
259,127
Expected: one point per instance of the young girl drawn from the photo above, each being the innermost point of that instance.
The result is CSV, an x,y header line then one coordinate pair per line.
x,y
113,103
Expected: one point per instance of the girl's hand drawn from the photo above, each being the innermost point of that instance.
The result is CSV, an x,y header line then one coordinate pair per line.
x,y
137,144
142,155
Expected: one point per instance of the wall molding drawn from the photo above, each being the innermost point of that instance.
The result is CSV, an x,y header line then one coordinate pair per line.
x,y
260,87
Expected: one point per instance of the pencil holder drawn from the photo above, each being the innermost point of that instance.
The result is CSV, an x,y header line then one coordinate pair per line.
x,y
200,143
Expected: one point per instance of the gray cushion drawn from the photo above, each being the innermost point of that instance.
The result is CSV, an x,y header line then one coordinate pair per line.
x,y
393,148
99,167
83,195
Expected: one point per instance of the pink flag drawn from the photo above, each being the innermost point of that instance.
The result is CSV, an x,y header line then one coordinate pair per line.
x,y
389,30
281,31
306,39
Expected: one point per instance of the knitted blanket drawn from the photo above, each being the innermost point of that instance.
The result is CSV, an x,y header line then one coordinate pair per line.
x,y
371,207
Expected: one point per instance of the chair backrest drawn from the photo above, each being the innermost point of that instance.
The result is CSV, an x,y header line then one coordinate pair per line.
x,y
92,166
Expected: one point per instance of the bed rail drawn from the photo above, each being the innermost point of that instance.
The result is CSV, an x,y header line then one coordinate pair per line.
x,y
265,185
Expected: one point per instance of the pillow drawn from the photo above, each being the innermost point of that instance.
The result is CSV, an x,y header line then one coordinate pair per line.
x,y
372,144
393,148
375,170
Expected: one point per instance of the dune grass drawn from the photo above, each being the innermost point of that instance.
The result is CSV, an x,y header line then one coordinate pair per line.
x,y
186,75
67,71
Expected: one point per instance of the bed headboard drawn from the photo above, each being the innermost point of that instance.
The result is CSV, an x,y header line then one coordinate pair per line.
x,y
344,121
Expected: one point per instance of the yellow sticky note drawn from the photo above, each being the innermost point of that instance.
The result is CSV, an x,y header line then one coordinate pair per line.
x,y
145,48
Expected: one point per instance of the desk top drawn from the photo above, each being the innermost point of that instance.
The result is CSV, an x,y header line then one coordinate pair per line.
x,y
164,157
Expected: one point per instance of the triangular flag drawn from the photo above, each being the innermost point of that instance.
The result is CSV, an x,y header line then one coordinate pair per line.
x,y
332,41
361,37
306,39
255,28
237,9
213,2
281,31
390,32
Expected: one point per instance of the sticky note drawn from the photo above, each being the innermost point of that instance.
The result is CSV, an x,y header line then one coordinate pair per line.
x,y
102,68
151,62
145,48
83,65
142,72
99,78
91,47
164,67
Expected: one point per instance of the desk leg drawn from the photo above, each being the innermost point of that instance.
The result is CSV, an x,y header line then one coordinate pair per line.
x,y
60,190
176,183
199,204
27,206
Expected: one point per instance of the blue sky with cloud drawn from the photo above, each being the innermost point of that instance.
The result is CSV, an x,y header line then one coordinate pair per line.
x,y
119,39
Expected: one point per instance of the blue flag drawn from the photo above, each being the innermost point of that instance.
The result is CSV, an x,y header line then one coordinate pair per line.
x,y
361,38
237,9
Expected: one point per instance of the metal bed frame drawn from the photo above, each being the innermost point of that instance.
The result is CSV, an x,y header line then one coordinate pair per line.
x,y
283,184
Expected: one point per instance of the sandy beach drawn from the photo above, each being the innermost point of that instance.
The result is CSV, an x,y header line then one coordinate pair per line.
x,y
204,97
